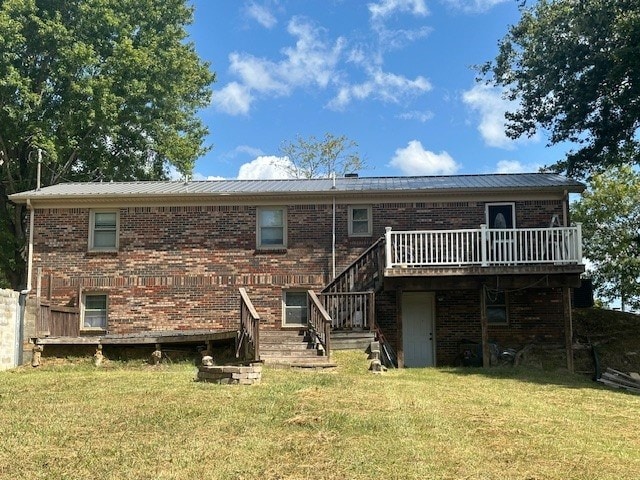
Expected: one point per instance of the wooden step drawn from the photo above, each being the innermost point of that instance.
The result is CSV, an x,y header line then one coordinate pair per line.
x,y
351,340
288,347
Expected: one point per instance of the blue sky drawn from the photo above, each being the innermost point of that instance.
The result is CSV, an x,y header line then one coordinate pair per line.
x,y
395,76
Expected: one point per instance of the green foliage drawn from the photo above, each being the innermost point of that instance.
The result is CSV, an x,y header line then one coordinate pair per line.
x,y
108,89
610,214
313,158
574,67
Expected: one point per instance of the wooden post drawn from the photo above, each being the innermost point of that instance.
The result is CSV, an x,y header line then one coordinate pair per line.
x,y
568,326
400,345
484,325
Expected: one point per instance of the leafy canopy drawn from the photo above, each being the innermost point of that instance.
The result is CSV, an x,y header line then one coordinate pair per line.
x,y
574,68
610,214
108,89
313,158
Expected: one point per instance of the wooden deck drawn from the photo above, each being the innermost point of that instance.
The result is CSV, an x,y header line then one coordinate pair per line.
x,y
142,338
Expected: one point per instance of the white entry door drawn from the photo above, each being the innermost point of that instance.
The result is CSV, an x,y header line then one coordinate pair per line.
x,y
418,329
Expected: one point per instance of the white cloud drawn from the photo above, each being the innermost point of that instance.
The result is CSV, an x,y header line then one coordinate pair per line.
x,y
266,168
491,106
384,8
416,115
261,14
248,150
415,160
257,74
199,177
310,62
384,86
474,6
233,98
514,166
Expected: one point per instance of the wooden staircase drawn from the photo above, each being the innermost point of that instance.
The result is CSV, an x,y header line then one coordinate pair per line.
x,y
291,347
348,302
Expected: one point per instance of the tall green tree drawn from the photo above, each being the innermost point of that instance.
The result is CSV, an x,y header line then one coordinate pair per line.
x,y
108,90
610,214
574,68
320,158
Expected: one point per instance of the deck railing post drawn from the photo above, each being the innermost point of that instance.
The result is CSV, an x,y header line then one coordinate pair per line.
x,y
483,244
387,246
579,240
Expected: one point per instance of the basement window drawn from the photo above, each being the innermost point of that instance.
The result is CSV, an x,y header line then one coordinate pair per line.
x,y
94,312
295,308
496,305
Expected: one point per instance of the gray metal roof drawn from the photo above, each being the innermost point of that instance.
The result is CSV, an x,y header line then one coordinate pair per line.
x,y
426,184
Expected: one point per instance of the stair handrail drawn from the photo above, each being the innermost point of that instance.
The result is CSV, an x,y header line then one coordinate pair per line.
x,y
376,249
319,323
343,307
249,325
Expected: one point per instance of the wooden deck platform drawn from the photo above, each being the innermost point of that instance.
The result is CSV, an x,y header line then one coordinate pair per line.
x,y
142,338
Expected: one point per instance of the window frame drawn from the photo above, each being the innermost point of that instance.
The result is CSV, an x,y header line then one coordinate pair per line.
x,y
259,244
92,230
285,308
488,304
351,220
83,311
500,204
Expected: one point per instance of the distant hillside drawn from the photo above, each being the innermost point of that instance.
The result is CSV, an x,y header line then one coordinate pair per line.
x,y
615,335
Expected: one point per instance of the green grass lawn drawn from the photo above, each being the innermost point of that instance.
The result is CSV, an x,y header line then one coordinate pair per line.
x,y
124,421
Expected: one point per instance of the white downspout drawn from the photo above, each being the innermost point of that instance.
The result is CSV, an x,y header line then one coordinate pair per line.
x,y
333,238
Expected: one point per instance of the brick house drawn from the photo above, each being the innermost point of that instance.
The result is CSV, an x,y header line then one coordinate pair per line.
x,y
432,262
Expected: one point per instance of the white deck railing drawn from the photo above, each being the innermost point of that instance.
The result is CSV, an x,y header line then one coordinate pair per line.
x,y
484,247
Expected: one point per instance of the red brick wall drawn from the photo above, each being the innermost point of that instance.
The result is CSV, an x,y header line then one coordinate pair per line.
x,y
181,267
535,316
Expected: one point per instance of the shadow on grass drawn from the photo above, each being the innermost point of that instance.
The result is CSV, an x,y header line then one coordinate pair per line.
x,y
534,375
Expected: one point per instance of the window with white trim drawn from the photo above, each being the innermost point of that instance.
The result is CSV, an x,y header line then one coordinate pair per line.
x,y
272,227
360,224
94,311
294,310
103,230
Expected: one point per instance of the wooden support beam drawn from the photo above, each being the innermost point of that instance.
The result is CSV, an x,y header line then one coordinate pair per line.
x,y
399,330
484,325
568,326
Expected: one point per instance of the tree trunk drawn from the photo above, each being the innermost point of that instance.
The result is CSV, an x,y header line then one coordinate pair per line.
x,y
13,243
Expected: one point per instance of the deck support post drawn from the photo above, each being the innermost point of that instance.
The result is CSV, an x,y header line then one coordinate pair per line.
x,y
484,326
568,326
400,345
